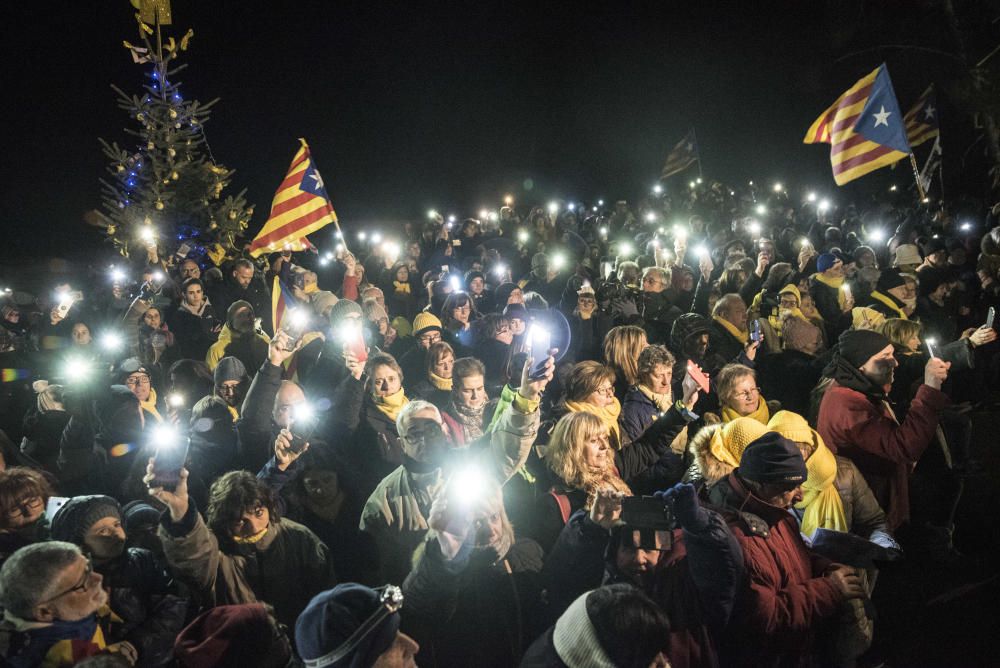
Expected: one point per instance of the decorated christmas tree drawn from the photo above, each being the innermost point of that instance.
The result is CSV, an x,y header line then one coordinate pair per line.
x,y
168,189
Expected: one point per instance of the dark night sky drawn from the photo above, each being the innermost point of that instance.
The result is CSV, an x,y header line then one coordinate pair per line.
x,y
408,106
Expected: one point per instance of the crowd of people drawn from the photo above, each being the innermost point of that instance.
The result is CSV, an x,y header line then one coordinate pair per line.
x,y
688,432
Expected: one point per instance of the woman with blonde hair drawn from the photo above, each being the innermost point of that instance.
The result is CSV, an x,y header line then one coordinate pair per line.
x,y
622,347
436,384
739,395
835,495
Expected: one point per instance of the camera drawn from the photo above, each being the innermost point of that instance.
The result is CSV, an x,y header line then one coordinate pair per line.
x,y
649,523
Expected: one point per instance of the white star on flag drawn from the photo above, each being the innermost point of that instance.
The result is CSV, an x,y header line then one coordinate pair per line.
x,y
929,112
882,118
319,179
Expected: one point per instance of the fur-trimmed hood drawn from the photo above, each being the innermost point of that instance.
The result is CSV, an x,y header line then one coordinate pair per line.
x,y
709,468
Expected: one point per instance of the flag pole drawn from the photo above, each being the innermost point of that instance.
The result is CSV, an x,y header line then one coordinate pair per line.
x,y
916,178
697,148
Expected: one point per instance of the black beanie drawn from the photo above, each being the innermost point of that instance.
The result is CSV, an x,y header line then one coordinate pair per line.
x,y
857,346
77,515
773,459
889,279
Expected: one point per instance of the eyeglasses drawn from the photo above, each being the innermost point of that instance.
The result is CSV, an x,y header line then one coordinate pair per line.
x,y
138,380
80,586
25,506
748,394
606,391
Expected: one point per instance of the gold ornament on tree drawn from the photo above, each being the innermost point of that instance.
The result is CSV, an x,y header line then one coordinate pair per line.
x,y
150,146
174,176
159,205
171,152
173,113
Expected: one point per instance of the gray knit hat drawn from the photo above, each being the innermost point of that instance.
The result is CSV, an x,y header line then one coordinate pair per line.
x,y
230,368
343,309
77,515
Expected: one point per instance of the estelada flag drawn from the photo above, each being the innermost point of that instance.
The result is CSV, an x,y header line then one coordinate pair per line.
x,y
682,156
300,207
864,128
922,118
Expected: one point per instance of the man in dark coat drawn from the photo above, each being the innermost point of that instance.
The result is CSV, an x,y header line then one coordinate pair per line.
x,y
789,376
789,591
727,335
244,284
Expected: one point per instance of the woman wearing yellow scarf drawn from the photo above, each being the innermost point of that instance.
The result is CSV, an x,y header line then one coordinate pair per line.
x,y
717,448
739,395
436,385
590,388
834,496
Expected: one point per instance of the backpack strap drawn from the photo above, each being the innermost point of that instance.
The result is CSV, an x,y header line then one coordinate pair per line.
x,y
563,502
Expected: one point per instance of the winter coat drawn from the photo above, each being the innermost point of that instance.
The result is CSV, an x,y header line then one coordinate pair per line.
x,y
193,333
255,430
396,513
285,568
42,435
785,596
638,414
251,349
256,293
721,343
788,377
865,431
864,516
142,593
475,610
424,390
697,594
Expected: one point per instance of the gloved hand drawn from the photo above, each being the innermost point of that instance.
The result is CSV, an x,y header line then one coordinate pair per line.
x,y
683,502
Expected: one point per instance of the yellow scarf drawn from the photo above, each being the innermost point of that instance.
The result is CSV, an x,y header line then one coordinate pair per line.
x,y
234,412
741,334
439,382
863,317
401,287
608,415
730,440
392,404
833,282
762,414
250,540
149,405
663,401
821,502
885,299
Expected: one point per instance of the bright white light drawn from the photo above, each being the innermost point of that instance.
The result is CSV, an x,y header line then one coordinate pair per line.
x,y
451,218
811,197
778,187
158,276
539,340
323,261
625,248
147,234
454,283
298,318
571,206
553,208
303,412
483,214
500,270
761,210
680,233
876,235
600,202
892,189
657,189
594,209
117,275
432,214
692,185
77,369
701,251
558,261
754,227
965,227
508,200
650,217
604,231
803,242
698,180
376,237
391,250
494,216
175,400
164,435
824,206
926,200
112,341
522,236
340,248
338,234
362,236
466,486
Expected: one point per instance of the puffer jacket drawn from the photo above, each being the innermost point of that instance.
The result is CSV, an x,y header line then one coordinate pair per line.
x,y
285,568
143,594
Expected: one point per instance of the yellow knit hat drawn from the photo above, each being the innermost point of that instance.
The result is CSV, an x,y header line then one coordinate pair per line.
x,y
792,426
727,444
425,322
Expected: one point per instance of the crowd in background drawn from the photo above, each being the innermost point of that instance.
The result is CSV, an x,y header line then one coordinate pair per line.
x,y
688,432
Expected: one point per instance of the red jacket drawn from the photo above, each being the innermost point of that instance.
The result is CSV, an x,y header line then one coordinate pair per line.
x,y
786,596
884,451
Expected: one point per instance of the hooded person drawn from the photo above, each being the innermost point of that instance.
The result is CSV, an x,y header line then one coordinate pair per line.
x,y
120,425
856,420
43,425
354,626
141,593
239,338
835,496
233,636
789,592
231,383
889,294
717,449
212,445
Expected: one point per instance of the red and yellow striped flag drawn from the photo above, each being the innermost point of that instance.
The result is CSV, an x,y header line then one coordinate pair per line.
x,y
300,207
863,127
922,118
